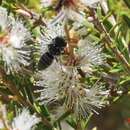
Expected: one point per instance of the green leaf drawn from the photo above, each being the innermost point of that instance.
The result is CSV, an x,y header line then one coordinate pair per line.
x,y
126,19
127,2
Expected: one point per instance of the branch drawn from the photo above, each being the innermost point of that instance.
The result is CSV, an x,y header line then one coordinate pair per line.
x,y
24,11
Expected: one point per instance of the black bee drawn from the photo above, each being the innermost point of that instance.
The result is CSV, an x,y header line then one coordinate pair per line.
x,y
54,49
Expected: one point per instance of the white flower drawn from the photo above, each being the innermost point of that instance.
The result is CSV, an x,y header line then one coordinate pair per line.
x,y
18,35
25,121
61,83
54,81
4,19
89,55
90,3
83,99
50,33
13,48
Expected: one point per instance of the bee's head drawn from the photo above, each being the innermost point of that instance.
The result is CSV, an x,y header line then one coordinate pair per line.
x,y
60,42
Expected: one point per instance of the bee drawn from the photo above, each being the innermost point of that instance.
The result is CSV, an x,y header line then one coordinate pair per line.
x,y
55,48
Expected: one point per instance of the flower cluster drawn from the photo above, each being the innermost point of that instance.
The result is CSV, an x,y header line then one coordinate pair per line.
x,y
14,51
66,59
61,81
61,85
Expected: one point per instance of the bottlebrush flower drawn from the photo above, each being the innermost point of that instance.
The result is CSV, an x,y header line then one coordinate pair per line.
x,y
24,121
89,55
5,21
13,48
82,99
54,80
63,84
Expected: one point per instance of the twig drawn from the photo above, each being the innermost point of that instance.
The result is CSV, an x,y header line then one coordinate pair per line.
x,y
68,39
71,51
21,9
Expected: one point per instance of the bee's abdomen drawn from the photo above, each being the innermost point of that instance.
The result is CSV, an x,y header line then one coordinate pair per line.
x,y
45,61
